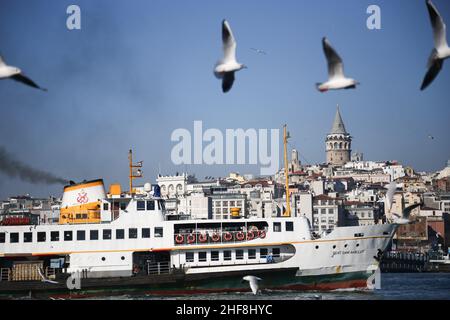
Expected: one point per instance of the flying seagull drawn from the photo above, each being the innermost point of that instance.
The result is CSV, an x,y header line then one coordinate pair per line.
x,y
226,67
16,74
258,50
404,219
336,77
441,50
253,281
44,279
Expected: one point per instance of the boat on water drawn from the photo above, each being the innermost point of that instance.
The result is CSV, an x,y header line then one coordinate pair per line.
x,y
123,239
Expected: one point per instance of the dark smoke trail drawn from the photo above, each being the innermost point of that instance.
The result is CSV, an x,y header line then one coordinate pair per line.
x,y
15,168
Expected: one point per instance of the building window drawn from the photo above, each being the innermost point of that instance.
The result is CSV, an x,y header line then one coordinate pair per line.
x,y
263,253
159,232
107,234
251,253
132,233
41,237
189,257
277,227
93,235
140,205
81,235
123,206
145,232
227,255
68,236
239,254
14,237
120,234
105,206
289,226
28,237
54,236
2,237
276,252
202,256
214,255
151,205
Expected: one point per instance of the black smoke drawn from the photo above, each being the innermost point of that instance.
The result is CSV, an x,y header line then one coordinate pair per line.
x,y
16,169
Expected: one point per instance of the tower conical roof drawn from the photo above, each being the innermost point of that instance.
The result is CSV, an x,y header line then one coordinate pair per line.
x,y
338,124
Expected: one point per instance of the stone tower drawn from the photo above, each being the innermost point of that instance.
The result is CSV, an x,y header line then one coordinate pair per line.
x,y
338,142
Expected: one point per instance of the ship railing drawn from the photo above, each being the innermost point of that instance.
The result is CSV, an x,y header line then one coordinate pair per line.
x,y
157,268
5,274
209,238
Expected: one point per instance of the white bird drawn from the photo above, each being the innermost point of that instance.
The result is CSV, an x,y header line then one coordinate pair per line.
x,y
44,279
404,219
441,50
226,67
10,72
336,77
258,50
253,281
390,194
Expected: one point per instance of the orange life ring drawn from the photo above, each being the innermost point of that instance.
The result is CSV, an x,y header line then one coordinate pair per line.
x,y
240,236
262,234
179,238
191,238
202,237
215,237
227,236
250,235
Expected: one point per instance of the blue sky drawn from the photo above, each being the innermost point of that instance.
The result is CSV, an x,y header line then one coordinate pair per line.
x,y
137,70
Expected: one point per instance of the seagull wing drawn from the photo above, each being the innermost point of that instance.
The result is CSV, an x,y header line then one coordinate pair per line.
x,y
407,211
21,78
335,66
439,28
229,43
2,62
390,194
435,66
254,285
227,81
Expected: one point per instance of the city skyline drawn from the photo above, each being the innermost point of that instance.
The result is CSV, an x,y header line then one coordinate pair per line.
x,y
115,85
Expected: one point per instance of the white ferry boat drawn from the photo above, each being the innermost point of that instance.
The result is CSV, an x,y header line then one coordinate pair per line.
x,y
125,240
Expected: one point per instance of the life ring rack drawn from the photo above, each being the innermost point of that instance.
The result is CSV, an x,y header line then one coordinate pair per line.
x,y
215,237
191,238
262,234
240,236
179,238
227,236
203,237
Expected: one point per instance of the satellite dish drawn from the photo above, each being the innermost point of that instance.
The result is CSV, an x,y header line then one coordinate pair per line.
x,y
147,187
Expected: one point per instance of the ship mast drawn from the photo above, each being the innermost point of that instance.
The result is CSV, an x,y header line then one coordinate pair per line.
x,y
133,175
287,213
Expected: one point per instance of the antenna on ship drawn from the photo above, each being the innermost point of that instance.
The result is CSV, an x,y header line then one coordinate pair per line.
x,y
134,174
286,136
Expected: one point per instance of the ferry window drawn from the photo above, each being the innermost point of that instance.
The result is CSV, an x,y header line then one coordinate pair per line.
x,y
202,256
107,234
81,235
68,235
239,254
276,252
189,257
227,255
214,255
251,253
151,205
263,253
2,237
106,206
277,227
289,226
120,234
132,233
145,232
158,232
14,237
27,237
93,234
123,206
54,236
140,205
41,236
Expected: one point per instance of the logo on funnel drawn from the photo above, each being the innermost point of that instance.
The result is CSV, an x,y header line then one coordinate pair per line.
x,y
82,197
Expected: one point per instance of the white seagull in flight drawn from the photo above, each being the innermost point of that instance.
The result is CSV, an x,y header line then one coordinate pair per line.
x,y
441,51
336,77
16,74
226,68
253,281
258,51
